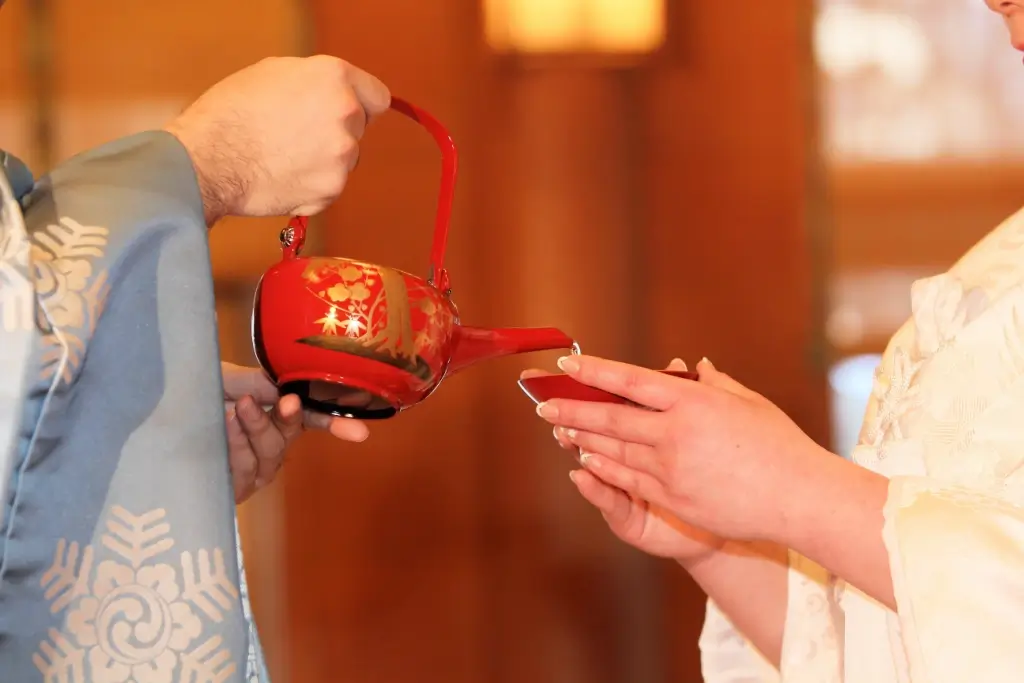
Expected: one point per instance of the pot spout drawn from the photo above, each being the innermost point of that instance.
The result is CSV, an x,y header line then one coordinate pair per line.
x,y
474,344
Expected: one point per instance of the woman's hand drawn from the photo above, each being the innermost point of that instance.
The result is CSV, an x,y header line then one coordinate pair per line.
x,y
715,454
634,520
258,439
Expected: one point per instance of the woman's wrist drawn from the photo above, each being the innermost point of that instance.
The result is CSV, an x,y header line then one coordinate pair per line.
x,y
828,499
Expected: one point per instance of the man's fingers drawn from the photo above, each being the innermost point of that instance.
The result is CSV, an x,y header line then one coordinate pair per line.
x,y
287,417
265,439
241,459
241,381
370,90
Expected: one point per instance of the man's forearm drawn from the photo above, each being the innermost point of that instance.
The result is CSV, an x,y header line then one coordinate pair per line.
x,y
747,581
218,186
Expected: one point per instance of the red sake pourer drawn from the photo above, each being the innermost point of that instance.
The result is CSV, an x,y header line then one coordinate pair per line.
x,y
355,339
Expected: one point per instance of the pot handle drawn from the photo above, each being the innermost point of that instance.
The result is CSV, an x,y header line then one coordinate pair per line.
x,y
437,275
293,237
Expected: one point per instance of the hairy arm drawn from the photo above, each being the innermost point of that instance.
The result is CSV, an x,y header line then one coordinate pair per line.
x,y
221,184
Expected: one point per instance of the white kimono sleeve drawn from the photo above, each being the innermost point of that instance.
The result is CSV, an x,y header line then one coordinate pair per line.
x,y
957,562
728,657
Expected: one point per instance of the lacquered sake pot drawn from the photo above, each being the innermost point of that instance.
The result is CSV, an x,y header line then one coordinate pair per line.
x,y
356,339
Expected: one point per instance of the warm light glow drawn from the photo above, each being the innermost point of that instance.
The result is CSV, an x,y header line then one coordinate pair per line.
x,y
559,26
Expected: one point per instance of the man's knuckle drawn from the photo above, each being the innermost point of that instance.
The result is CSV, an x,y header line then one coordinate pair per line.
x,y
348,148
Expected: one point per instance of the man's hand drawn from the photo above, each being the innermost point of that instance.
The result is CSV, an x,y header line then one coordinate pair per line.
x,y
257,439
279,137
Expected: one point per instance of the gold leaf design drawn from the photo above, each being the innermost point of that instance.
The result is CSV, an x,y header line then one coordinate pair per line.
x,y
336,342
133,619
380,322
396,336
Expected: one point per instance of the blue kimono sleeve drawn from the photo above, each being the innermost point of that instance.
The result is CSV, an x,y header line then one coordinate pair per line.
x,y
118,542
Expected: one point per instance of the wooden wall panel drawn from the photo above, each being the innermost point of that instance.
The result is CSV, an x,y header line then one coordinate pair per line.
x,y
729,177
917,215
383,537
653,214
17,132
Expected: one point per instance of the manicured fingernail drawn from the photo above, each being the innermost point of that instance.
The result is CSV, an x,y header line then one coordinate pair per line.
x,y
705,361
571,434
585,459
547,411
572,475
568,364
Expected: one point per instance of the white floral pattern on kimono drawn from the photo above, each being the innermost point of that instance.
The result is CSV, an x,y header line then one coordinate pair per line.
x,y
945,424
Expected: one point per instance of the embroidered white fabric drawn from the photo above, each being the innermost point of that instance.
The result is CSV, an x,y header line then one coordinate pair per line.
x,y
945,424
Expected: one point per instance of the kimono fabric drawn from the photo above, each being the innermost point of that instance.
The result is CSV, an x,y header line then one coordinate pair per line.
x,y
119,553
945,425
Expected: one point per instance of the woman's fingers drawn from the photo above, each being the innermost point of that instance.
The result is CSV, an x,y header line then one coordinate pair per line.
x,y
534,372
638,484
632,455
645,387
626,423
613,504
562,437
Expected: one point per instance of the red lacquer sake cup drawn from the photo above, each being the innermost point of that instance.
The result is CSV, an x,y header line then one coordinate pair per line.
x,y
546,387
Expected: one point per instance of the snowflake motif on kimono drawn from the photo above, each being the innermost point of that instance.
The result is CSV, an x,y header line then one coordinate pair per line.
x,y
894,394
16,308
136,618
942,308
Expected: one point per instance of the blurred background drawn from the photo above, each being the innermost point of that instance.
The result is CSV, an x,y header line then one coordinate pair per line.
x,y
759,183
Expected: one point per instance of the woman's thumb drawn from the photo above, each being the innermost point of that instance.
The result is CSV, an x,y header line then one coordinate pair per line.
x,y
708,374
677,365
